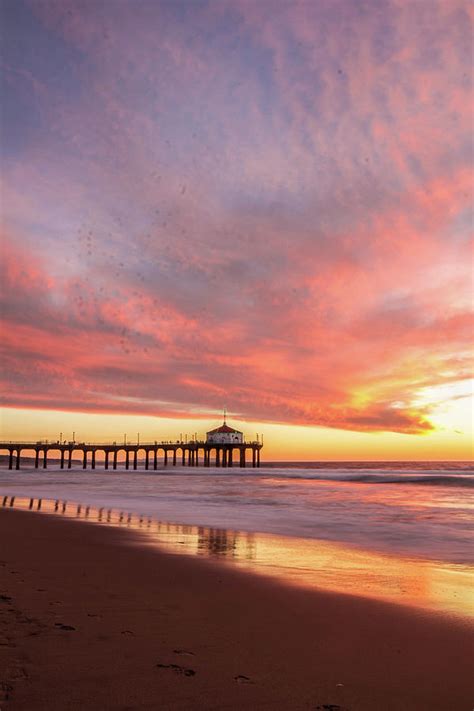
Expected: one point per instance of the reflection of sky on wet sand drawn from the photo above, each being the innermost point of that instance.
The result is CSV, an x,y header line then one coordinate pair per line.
x,y
441,587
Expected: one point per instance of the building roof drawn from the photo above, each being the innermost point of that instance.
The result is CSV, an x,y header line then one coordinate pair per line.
x,y
224,428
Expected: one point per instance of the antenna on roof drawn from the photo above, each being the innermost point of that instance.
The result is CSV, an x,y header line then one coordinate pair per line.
x,y
225,413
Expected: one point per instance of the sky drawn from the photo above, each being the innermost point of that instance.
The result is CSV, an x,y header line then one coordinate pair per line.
x,y
264,206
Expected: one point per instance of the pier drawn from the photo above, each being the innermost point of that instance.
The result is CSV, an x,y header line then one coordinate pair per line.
x,y
192,454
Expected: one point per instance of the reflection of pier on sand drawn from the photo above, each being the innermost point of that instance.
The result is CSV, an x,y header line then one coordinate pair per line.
x,y
325,565
220,541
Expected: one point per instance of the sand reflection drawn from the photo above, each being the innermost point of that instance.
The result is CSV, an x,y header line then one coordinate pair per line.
x,y
326,565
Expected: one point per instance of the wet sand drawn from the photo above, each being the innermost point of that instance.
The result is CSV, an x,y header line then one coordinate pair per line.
x,y
92,620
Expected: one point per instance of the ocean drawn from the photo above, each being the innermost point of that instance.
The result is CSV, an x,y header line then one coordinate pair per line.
x,y
357,527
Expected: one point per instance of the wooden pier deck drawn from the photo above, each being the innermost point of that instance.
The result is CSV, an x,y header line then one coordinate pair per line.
x,y
193,454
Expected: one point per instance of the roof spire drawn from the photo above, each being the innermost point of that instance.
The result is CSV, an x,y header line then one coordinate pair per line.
x,y
225,413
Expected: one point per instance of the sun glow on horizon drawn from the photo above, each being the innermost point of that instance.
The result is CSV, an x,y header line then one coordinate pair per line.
x,y
281,442
450,404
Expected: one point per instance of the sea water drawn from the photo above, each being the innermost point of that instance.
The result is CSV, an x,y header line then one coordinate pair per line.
x,y
409,508
399,531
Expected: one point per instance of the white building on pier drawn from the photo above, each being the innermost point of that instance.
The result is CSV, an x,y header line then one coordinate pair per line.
x,y
224,435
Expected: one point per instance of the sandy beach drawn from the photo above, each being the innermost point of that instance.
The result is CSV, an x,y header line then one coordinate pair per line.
x,y
91,619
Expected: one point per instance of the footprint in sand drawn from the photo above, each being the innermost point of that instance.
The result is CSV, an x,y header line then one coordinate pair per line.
x,y
17,672
242,679
5,690
6,642
184,652
67,628
177,669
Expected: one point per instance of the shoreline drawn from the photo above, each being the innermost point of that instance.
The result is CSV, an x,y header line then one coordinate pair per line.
x,y
431,586
144,620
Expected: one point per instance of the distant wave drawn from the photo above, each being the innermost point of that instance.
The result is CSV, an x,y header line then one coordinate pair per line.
x,y
448,474
455,480
385,465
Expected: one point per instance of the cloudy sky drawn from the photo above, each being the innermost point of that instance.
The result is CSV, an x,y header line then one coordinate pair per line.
x,y
264,205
